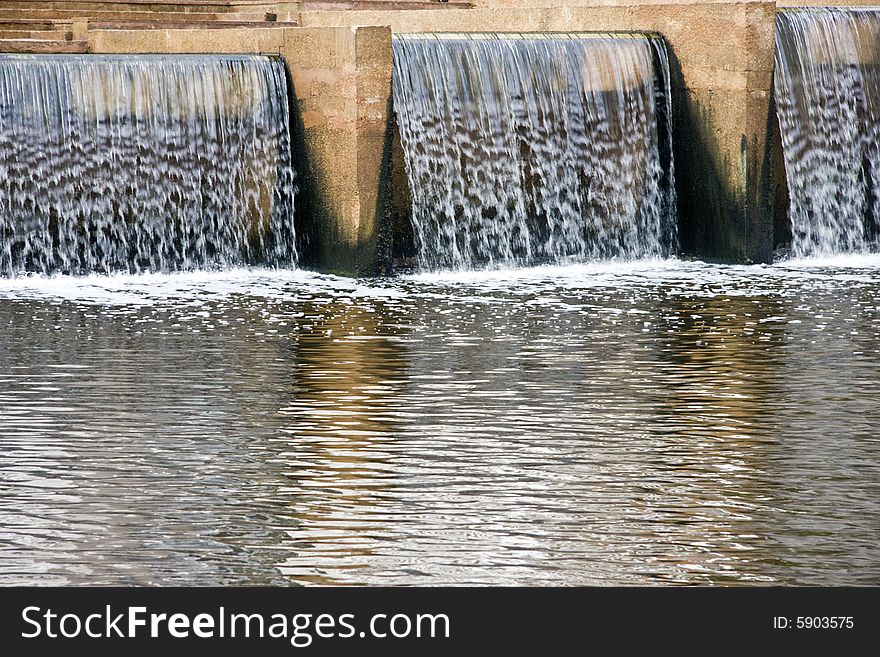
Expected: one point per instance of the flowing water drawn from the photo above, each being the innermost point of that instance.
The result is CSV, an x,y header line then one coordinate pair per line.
x,y
143,163
828,102
653,422
535,148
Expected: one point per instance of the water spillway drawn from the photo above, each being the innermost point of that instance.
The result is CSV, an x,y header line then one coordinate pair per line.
x,y
523,149
827,88
143,163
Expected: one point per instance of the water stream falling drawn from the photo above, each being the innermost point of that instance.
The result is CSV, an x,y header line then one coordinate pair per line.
x,y
536,148
146,163
827,87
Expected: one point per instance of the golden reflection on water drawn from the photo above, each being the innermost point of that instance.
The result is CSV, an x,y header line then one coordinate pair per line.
x,y
683,425
343,389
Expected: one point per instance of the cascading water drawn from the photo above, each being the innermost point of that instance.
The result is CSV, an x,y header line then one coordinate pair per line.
x,y
536,148
143,163
827,87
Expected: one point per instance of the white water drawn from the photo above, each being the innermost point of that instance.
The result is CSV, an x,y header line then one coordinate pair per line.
x,y
828,104
285,285
146,163
535,148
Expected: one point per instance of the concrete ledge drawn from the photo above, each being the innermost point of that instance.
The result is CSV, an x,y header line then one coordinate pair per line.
x,y
184,24
45,46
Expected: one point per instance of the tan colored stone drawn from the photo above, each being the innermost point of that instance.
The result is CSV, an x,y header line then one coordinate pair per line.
x,y
313,120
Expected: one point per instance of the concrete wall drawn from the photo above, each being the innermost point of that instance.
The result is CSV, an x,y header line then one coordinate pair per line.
x,y
726,139
341,83
722,56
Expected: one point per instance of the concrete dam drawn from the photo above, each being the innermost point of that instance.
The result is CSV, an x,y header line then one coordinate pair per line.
x,y
525,149
353,138
404,292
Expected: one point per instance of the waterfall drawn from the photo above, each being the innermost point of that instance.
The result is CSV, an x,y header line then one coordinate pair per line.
x,y
524,149
143,163
827,88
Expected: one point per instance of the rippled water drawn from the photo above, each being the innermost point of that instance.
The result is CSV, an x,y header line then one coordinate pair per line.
x,y
652,423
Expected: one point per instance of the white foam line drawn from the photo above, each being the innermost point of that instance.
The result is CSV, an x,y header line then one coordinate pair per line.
x,y
146,289
293,284
843,261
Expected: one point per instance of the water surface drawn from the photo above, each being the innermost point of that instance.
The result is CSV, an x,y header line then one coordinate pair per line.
x,y
660,422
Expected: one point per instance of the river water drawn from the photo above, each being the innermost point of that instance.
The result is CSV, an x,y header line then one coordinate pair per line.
x,y
657,422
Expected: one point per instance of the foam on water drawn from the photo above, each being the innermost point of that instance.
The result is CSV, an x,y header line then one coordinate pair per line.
x,y
156,289
289,285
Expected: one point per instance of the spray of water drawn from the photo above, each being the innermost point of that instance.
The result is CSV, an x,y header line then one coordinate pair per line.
x,y
827,87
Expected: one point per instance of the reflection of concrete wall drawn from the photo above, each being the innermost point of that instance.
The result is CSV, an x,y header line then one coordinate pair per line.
x,y
343,357
723,358
341,416
341,80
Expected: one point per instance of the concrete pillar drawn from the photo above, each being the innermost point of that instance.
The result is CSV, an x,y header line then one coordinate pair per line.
x,y
79,29
286,9
723,100
341,86
342,81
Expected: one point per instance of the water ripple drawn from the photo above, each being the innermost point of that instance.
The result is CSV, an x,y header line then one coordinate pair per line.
x,y
664,422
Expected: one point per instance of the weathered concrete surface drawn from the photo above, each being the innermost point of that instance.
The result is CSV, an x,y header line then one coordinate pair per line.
x,y
545,4
44,46
341,83
722,56
366,5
